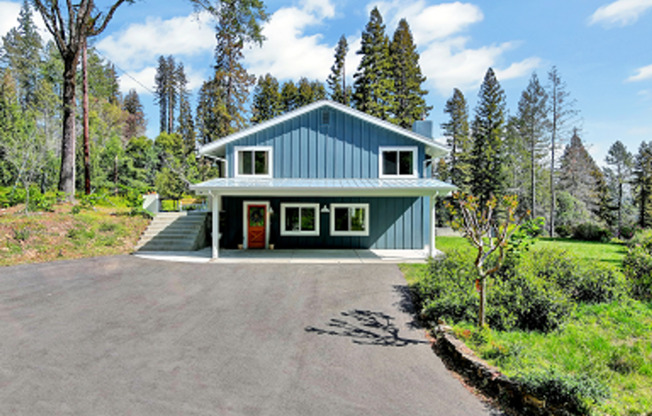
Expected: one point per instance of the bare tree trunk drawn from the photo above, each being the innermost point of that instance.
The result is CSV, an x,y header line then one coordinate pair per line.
x,y
87,149
67,175
483,302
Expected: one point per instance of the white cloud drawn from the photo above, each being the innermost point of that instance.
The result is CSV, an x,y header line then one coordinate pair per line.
x,y
287,52
143,43
620,13
9,12
429,23
642,73
8,15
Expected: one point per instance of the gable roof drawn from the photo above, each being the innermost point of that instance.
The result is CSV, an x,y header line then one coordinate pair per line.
x,y
432,148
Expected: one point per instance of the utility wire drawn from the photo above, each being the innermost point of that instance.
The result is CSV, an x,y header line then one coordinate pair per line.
x,y
125,72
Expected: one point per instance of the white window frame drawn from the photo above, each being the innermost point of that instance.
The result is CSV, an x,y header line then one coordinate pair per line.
x,y
236,161
364,233
313,233
415,153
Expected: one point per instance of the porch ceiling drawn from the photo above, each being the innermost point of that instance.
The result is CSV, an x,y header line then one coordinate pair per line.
x,y
323,187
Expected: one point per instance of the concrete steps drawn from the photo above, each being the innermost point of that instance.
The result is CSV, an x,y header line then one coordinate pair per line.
x,y
174,231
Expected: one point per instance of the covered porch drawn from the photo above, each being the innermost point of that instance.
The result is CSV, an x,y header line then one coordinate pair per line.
x,y
427,189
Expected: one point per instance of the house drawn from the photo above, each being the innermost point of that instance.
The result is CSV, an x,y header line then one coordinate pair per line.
x,y
325,176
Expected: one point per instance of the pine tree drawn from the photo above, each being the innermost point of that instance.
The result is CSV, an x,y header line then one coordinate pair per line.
x,y
373,81
533,126
21,49
562,111
621,160
186,124
580,176
238,23
458,139
135,122
408,101
289,96
643,184
337,79
486,159
167,85
267,100
213,121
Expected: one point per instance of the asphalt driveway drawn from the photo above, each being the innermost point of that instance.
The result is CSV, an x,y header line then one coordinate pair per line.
x,y
129,336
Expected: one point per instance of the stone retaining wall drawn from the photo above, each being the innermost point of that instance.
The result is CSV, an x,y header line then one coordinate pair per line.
x,y
486,378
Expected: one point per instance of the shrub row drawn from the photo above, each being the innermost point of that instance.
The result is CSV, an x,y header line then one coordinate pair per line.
x,y
637,265
535,291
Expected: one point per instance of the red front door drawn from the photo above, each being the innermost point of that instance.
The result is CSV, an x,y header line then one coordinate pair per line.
x,y
256,225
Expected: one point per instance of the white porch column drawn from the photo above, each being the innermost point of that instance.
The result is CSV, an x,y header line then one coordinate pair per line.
x,y
433,225
216,224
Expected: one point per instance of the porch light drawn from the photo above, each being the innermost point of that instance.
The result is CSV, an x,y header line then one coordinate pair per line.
x,y
325,209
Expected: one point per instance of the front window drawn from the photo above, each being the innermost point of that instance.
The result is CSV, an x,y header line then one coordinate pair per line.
x,y
253,162
350,219
300,219
398,162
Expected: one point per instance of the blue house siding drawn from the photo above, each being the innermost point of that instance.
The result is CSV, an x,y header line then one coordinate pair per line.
x,y
347,147
395,223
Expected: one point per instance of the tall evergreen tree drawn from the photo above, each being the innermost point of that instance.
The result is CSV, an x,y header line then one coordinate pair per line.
x,y
238,23
562,111
70,25
212,118
309,92
135,123
337,79
458,139
580,176
486,159
643,184
289,96
409,103
186,124
20,54
267,100
373,81
621,162
533,126
167,85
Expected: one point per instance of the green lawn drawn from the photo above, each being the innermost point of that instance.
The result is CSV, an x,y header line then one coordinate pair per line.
x,y
609,253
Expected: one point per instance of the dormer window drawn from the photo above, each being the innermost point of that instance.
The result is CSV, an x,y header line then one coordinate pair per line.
x,y
398,162
253,161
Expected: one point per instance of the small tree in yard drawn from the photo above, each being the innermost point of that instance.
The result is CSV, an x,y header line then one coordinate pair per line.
x,y
488,227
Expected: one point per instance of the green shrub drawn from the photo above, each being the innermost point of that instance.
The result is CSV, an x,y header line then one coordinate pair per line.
x,y
637,265
598,284
564,230
574,394
589,231
627,232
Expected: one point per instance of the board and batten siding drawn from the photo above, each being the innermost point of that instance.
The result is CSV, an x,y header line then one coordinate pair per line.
x,y
395,223
304,147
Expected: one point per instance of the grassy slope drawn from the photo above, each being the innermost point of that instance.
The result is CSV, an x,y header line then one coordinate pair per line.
x,y
612,343
47,236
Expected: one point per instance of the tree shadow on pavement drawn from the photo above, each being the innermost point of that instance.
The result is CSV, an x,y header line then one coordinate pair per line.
x,y
366,328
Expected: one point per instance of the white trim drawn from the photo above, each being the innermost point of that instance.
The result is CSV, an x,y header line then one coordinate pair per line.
x,y
215,238
236,160
245,221
364,233
315,232
433,148
415,159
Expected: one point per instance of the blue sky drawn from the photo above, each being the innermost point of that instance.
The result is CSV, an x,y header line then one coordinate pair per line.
x,y
600,47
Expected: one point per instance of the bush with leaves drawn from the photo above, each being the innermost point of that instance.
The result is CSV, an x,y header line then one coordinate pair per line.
x,y
571,395
589,231
637,265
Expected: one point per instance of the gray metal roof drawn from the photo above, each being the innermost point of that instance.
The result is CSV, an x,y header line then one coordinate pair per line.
x,y
323,187
432,147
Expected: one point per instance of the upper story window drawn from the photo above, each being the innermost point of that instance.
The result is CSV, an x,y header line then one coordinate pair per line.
x,y
253,161
398,162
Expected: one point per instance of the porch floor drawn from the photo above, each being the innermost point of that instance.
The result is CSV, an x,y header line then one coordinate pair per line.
x,y
291,256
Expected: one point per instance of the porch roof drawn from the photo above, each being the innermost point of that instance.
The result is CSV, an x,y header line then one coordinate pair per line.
x,y
323,187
